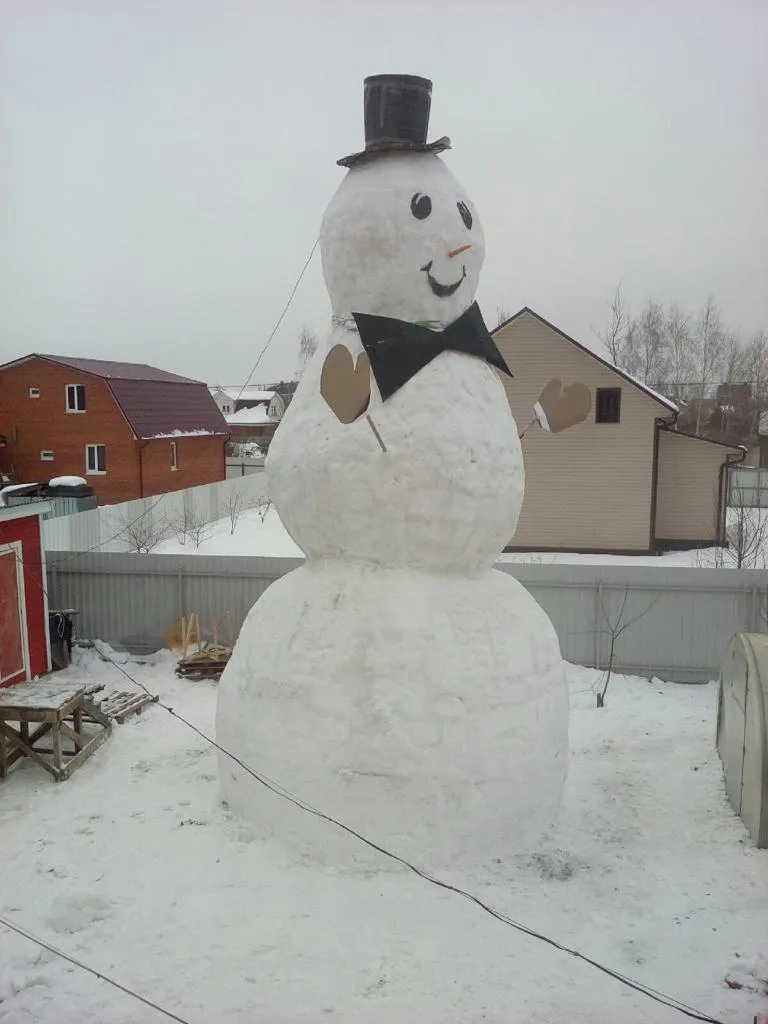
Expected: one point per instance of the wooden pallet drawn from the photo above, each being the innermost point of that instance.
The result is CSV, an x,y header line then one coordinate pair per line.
x,y
204,659
120,706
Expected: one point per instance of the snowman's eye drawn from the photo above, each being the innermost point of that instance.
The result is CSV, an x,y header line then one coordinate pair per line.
x,y
466,216
421,206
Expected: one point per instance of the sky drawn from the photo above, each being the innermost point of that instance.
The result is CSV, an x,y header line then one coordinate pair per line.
x,y
165,164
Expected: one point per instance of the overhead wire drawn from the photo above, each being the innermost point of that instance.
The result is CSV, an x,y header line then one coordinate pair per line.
x,y
91,970
124,528
278,790
657,996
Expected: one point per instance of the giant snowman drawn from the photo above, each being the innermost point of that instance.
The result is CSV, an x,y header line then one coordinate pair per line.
x,y
396,681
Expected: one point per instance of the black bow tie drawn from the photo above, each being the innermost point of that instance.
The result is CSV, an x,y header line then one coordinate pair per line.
x,y
397,350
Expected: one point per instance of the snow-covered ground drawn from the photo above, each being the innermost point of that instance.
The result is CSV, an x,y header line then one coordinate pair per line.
x,y
267,537
134,867
255,533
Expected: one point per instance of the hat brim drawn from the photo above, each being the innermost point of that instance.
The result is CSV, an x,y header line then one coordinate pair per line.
x,y
392,146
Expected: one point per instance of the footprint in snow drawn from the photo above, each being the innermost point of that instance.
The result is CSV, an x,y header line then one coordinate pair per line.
x,y
71,914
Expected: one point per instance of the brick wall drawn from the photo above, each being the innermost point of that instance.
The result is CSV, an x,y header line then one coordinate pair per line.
x,y
200,460
32,425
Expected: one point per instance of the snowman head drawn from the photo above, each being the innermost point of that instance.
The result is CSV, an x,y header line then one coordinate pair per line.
x,y
401,238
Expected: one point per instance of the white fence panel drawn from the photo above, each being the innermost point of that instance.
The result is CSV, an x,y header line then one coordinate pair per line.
x,y
678,621
748,488
108,528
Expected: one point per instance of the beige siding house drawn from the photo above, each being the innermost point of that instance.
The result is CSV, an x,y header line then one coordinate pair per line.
x,y
623,480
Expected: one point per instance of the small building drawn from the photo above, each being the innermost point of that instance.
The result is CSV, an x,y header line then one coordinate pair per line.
x,y
623,481
130,429
255,416
25,650
233,399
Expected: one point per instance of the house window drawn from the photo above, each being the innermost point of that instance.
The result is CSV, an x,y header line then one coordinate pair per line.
x,y
174,456
608,405
34,392
46,456
75,397
95,458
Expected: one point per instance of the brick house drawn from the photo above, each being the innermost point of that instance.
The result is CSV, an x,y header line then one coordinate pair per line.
x,y
131,430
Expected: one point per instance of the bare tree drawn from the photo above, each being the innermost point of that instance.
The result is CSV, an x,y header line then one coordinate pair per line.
x,y
501,316
192,525
234,506
746,531
615,628
679,362
307,348
614,334
708,347
144,532
645,346
262,507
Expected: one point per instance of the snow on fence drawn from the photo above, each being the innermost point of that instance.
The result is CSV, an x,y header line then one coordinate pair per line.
x,y
676,621
120,527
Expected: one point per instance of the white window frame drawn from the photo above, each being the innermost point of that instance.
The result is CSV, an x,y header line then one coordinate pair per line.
x,y
33,393
73,407
174,457
46,455
88,470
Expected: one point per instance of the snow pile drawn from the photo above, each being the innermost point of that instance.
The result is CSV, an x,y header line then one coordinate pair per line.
x,y
134,867
67,481
256,415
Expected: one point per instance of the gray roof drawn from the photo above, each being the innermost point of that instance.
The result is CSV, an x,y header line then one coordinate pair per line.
x,y
155,403
111,370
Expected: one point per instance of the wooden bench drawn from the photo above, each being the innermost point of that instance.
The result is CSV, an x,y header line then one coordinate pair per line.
x,y
60,710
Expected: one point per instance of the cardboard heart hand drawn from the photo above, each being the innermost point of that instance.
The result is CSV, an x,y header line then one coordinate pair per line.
x,y
559,408
346,385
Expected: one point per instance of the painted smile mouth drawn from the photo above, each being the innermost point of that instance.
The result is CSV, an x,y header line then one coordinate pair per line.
x,y
442,290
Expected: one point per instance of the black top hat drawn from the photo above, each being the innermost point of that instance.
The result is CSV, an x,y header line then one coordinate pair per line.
x,y
396,117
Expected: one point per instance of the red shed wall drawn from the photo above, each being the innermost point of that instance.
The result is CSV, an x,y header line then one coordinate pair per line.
x,y
26,529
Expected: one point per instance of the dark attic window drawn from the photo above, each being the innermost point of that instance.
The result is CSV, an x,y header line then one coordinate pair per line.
x,y
608,405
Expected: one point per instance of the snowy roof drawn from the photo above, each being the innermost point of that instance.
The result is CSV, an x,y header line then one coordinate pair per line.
x,y
186,433
661,399
251,393
257,414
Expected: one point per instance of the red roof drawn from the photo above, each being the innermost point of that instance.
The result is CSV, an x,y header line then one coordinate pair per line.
x,y
155,403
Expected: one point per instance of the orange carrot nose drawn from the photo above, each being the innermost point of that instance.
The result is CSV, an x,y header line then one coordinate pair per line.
x,y
455,252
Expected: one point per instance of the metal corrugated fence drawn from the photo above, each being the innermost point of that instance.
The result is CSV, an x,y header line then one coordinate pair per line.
x,y
679,620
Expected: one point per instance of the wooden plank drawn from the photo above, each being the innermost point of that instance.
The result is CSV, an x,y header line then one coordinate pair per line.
x,y
96,714
37,696
84,754
56,752
71,734
16,741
